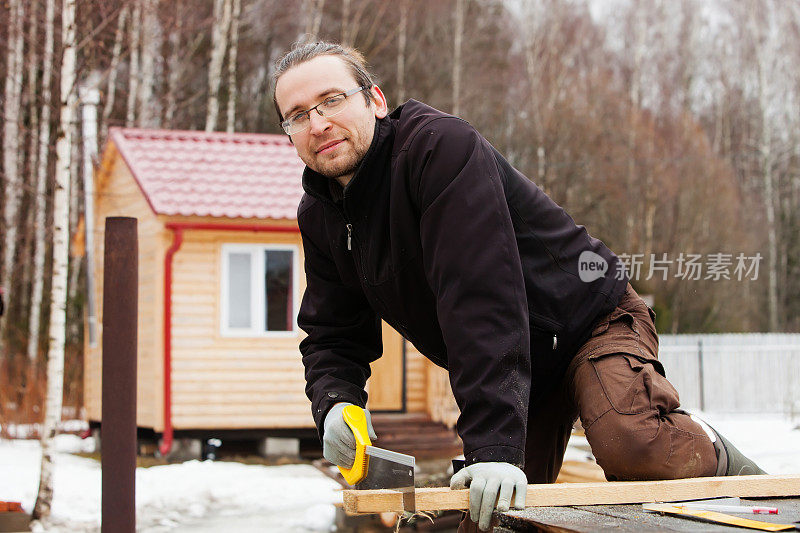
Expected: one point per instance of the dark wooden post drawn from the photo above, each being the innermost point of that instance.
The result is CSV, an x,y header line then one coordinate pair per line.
x,y
118,429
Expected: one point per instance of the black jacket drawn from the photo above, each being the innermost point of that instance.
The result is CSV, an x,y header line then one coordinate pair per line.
x,y
463,255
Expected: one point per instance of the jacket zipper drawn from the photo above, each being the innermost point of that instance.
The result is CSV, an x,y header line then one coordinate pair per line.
x,y
356,256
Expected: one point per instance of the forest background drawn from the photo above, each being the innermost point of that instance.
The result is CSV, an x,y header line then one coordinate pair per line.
x,y
669,128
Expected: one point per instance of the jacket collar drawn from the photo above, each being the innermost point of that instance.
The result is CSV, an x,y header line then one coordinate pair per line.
x,y
368,173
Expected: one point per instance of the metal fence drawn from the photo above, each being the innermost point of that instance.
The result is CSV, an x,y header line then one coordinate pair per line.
x,y
735,372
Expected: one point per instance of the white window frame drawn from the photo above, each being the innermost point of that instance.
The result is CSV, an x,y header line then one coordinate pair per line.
x,y
257,304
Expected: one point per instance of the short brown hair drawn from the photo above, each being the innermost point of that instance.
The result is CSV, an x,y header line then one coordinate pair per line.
x,y
302,52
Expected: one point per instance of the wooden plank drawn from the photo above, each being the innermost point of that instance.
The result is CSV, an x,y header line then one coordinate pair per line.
x,y
616,492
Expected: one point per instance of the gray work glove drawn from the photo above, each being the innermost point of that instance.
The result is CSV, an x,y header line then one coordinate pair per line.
x,y
485,481
338,441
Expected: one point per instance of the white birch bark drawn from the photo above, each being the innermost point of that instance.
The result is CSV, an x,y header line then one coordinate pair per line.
x,y
41,185
119,35
232,54
219,41
766,156
134,29
55,356
766,163
11,147
148,111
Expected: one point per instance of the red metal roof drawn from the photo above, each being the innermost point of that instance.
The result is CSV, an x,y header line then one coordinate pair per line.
x,y
195,173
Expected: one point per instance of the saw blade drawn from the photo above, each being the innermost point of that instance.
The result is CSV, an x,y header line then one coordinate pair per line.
x,y
390,470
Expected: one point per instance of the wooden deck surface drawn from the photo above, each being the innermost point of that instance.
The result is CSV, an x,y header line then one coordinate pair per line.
x,y
628,518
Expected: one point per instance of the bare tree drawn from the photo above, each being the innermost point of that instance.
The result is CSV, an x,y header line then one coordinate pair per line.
x,y
116,53
148,106
401,52
220,31
11,148
33,146
41,184
458,37
55,356
345,39
314,9
764,44
74,202
135,30
173,64
232,53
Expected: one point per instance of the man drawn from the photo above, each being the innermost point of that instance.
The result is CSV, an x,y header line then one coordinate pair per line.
x,y
414,218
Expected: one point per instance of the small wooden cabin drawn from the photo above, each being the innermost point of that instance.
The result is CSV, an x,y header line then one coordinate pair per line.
x,y
220,282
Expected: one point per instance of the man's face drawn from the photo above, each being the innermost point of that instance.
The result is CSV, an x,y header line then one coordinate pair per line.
x,y
332,146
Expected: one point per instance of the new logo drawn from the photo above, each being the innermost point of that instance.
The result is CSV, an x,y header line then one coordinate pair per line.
x,y
591,266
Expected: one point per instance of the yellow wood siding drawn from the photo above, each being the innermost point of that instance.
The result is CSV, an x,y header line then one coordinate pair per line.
x,y
385,385
441,404
117,194
220,381
416,380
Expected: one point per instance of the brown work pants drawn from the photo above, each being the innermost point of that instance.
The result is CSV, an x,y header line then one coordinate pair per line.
x,y
628,409
617,387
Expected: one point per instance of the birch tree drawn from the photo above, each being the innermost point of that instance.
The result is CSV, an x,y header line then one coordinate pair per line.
x,y
41,185
219,41
233,52
133,78
55,356
148,106
11,149
116,52
765,58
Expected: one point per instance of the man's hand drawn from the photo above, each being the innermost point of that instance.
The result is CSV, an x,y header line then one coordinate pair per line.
x,y
338,441
485,480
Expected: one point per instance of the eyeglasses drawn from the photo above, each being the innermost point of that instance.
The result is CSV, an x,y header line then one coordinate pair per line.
x,y
331,106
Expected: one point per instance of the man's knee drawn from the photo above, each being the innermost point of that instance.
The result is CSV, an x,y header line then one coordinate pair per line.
x,y
630,447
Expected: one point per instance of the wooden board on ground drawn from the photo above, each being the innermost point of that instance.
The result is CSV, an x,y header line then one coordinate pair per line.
x,y
617,492
580,472
630,518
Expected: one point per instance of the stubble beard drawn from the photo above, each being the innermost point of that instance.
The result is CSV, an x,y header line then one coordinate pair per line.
x,y
344,165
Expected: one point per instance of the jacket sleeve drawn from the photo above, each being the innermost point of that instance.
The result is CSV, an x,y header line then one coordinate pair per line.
x,y
473,267
344,336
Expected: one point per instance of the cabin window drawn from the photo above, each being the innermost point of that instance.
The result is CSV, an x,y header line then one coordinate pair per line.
x,y
258,289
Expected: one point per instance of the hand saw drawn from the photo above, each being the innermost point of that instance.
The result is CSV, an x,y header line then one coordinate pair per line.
x,y
377,468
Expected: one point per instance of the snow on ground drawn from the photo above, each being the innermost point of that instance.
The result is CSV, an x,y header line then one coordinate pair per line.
x,y
207,496
772,441
180,497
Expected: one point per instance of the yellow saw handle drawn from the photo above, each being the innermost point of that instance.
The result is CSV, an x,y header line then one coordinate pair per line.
x,y
355,418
